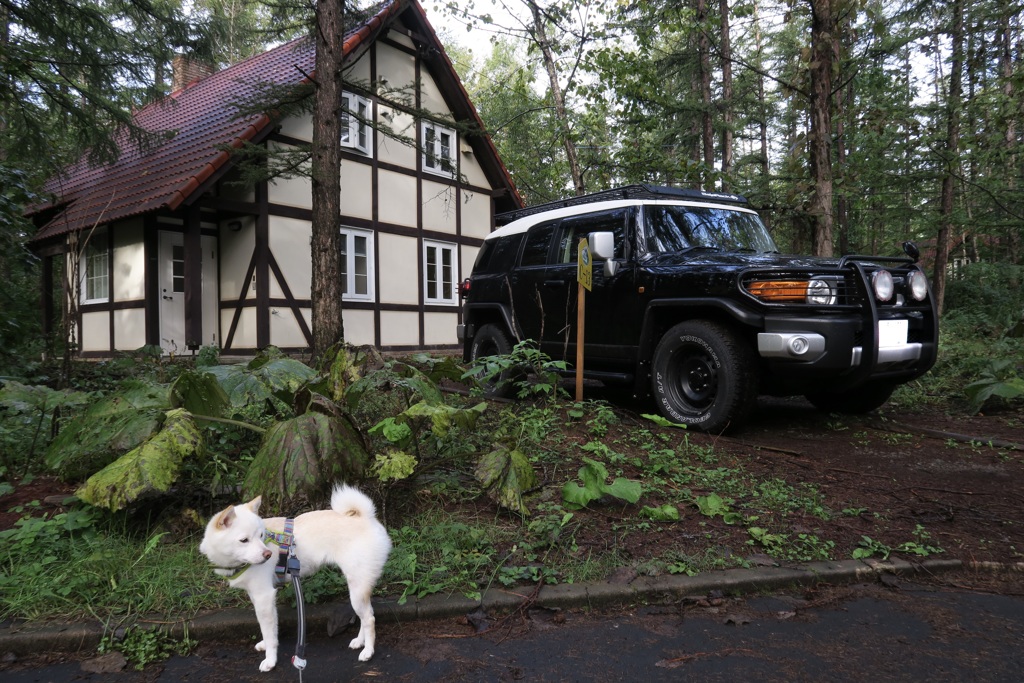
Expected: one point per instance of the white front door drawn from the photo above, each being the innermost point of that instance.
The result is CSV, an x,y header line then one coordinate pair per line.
x,y
171,282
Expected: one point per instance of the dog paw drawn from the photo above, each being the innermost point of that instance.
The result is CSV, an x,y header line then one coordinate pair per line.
x,y
365,655
267,665
356,643
261,646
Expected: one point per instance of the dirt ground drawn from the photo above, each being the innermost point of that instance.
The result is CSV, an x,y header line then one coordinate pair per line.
x,y
882,475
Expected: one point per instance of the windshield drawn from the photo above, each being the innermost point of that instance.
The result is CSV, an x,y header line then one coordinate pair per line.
x,y
678,228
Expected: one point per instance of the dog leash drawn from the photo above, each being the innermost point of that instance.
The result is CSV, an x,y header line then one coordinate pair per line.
x,y
299,660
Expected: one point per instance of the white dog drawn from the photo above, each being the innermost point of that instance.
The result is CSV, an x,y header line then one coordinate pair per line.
x,y
348,536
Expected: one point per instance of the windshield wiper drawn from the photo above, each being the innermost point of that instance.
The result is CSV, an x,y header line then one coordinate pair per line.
x,y
700,247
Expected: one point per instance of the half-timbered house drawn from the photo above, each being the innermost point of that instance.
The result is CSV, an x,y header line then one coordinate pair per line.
x,y
171,246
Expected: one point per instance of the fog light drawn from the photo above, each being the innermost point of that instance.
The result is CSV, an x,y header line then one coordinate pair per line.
x,y
881,282
918,285
798,346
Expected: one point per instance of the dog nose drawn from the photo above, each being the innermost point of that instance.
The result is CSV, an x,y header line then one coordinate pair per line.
x,y
267,554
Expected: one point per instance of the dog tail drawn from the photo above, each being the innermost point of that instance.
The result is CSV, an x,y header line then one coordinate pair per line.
x,y
351,502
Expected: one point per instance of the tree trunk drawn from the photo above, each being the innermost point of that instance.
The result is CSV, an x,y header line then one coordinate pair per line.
x,y
325,247
952,152
820,139
727,136
541,36
1012,112
707,129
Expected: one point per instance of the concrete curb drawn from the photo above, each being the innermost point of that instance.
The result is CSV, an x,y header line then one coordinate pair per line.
x,y
232,624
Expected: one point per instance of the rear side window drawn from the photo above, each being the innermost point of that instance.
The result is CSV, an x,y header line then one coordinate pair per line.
x,y
535,253
497,256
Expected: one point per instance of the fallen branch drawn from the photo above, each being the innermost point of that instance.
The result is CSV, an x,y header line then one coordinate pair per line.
x,y
686,659
898,427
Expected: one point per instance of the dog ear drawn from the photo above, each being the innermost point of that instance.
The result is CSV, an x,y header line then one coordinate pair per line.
x,y
226,516
254,504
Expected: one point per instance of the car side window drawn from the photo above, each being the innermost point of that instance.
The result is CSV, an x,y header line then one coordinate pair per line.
x,y
573,230
535,251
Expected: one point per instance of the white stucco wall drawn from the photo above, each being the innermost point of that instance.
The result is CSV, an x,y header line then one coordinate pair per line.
x,y
284,328
358,327
296,191
399,328
129,262
129,329
440,205
356,190
398,257
236,250
469,165
396,128
95,331
397,198
245,334
300,127
439,328
289,243
476,214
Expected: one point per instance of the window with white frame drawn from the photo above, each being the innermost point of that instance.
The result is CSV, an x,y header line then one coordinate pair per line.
x,y
356,264
439,145
356,131
95,267
439,272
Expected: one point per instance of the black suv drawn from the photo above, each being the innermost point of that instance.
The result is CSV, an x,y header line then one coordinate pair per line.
x,y
692,303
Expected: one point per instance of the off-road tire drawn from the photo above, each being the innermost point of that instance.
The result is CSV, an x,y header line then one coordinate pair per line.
x,y
704,376
493,340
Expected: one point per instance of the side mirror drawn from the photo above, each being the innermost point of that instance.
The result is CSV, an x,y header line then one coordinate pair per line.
x,y
602,244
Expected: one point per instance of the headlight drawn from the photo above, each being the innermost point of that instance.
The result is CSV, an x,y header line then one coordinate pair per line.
x,y
881,282
918,282
821,292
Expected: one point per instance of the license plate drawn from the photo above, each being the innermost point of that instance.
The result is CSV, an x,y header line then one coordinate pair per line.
x,y
892,333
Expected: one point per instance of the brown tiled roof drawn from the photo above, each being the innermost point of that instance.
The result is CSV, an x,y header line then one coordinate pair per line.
x,y
202,118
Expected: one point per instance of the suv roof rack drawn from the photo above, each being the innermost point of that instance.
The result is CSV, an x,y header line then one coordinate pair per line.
x,y
642,191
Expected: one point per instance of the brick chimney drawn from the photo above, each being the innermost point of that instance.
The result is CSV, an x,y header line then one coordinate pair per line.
x,y
185,70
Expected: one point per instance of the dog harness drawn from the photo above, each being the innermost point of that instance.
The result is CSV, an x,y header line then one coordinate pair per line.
x,y
284,540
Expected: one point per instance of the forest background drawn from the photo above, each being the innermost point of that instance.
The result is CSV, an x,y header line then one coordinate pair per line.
x,y
851,125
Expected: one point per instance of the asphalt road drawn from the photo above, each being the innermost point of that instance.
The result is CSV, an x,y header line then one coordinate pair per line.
x,y
881,631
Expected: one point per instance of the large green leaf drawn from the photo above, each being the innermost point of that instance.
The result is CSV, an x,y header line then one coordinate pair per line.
x,y
594,476
151,467
245,390
24,398
284,376
505,475
108,429
304,456
443,416
200,393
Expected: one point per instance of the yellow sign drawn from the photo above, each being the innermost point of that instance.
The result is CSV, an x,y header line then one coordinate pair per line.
x,y
585,267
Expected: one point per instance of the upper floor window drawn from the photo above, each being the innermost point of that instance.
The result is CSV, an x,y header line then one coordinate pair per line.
x,y
95,268
357,273
356,131
439,270
439,144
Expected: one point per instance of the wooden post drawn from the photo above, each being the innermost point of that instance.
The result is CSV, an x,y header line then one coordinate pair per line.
x,y
580,324
584,276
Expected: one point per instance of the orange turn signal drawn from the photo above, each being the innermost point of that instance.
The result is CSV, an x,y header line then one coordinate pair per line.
x,y
779,291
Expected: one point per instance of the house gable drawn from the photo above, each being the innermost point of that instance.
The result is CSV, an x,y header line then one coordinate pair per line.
x,y
411,233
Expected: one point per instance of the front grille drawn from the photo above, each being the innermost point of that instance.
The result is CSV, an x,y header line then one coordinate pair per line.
x,y
851,283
